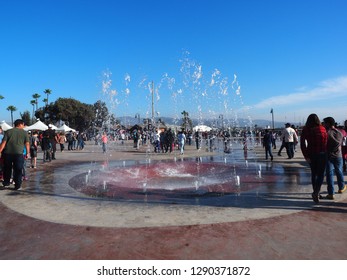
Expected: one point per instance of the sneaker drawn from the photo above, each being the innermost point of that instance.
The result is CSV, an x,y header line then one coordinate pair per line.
x,y
17,187
5,184
343,190
330,196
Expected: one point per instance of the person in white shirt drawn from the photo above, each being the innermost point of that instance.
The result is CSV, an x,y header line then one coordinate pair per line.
x,y
290,138
181,140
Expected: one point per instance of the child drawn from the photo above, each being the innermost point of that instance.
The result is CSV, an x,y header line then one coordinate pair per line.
x,y
33,149
25,164
104,141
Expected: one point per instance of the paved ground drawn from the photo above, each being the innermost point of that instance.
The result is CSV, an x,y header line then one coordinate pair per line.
x,y
48,219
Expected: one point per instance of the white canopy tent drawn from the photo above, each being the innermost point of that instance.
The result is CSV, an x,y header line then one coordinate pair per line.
x,y
65,128
5,126
52,126
36,126
202,128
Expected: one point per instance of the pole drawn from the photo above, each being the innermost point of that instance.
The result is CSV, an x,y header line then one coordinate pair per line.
x,y
152,103
273,122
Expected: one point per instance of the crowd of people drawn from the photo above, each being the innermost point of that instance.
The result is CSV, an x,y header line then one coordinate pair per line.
x,y
323,145
166,140
289,139
18,145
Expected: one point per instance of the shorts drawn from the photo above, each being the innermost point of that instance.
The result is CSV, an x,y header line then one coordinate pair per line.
x,y
33,152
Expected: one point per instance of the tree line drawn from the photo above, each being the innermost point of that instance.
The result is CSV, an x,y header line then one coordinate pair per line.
x,y
78,115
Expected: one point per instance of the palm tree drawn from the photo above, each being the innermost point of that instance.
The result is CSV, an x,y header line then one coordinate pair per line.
x,y
47,92
12,109
36,96
33,102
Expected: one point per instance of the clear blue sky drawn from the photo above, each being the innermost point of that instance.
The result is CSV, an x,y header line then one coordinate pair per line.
x,y
205,57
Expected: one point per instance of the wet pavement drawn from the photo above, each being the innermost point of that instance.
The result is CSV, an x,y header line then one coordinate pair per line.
x,y
269,216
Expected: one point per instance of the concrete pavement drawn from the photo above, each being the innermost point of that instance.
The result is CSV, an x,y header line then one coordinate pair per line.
x,y
277,219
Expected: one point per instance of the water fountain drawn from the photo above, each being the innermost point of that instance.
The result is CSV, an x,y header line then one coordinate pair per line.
x,y
229,167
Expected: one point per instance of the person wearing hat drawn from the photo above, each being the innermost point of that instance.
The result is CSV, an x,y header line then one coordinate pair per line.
x,y
290,138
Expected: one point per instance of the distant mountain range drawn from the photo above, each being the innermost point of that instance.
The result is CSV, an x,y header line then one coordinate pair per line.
x,y
127,120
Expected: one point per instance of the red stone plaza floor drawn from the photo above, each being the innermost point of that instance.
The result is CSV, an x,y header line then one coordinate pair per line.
x,y
47,219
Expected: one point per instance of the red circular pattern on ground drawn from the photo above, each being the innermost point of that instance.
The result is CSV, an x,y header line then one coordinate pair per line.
x,y
164,180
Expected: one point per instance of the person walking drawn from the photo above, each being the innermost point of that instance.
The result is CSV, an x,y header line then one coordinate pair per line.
x,y
104,141
181,137
156,141
267,144
290,138
34,142
61,139
344,146
46,147
80,140
335,162
169,140
12,146
313,144
51,135
198,138
24,170
274,138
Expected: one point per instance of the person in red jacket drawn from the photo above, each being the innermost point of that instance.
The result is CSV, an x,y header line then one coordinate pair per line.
x,y
313,144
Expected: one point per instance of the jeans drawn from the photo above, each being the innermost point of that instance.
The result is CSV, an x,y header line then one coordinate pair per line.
x,y
283,145
290,149
268,151
197,142
318,164
15,162
47,155
181,146
334,166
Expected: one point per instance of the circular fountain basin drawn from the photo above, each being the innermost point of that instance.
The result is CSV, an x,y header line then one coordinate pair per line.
x,y
169,181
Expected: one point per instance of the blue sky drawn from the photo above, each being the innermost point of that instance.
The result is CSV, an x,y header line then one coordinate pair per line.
x,y
210,58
